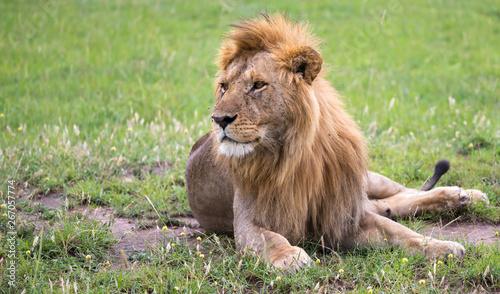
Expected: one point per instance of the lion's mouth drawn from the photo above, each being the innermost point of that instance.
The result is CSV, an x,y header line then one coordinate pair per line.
x,y
234,148
231,140
223,136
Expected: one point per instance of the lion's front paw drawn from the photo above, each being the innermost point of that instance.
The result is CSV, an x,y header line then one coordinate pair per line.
x,y
439,249
477,196
291,258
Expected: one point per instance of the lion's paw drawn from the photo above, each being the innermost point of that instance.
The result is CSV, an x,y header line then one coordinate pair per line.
x,y
456,198
478,196
290,259
442,249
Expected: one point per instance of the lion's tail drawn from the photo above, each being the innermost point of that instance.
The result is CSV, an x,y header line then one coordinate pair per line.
x,y
440,169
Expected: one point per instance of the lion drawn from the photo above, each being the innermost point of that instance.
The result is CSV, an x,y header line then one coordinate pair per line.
x,y
285,163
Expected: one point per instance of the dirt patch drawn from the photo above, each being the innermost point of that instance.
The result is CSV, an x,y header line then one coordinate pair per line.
x,y
469,232
52,200
130,238
124,230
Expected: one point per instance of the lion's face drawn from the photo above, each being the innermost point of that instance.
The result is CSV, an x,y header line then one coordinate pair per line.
x,y
250,110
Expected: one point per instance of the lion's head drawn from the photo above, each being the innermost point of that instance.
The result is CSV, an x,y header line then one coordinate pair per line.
x,y
284,133
259,86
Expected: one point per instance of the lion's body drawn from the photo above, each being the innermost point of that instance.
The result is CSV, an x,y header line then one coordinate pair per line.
x,y
284,161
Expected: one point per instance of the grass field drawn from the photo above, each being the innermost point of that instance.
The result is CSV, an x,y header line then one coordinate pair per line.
x,y
95,95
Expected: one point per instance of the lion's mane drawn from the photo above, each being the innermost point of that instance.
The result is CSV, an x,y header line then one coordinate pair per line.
x,y
311,182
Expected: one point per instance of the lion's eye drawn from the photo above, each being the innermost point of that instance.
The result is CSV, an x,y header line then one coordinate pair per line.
x,y
258,85
223,87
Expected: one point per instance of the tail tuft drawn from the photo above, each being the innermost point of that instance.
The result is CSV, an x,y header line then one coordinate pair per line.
x,y
440,169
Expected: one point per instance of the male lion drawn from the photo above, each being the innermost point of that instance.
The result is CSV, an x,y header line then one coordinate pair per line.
x,y
284,162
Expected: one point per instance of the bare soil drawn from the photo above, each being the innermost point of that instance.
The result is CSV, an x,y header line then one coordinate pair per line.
x,y
466,231
129,237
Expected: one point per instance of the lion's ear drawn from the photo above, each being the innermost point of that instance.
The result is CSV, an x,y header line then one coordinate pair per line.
x,y
306,62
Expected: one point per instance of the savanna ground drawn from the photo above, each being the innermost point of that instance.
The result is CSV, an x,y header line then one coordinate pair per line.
x,y
100,102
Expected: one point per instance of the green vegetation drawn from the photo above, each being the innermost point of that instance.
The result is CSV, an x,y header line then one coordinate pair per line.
x,y
101,101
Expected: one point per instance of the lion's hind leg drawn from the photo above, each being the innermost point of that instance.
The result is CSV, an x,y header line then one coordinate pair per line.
x,y
379,231
390,199
414,202
380,187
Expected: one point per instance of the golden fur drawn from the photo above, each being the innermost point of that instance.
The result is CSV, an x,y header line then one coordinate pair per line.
x,y
309,182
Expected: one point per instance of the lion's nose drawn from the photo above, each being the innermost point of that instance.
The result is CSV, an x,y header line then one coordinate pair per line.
x,y
224,121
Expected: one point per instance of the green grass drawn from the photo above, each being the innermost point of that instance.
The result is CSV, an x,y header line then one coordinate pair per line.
x,y
94,94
